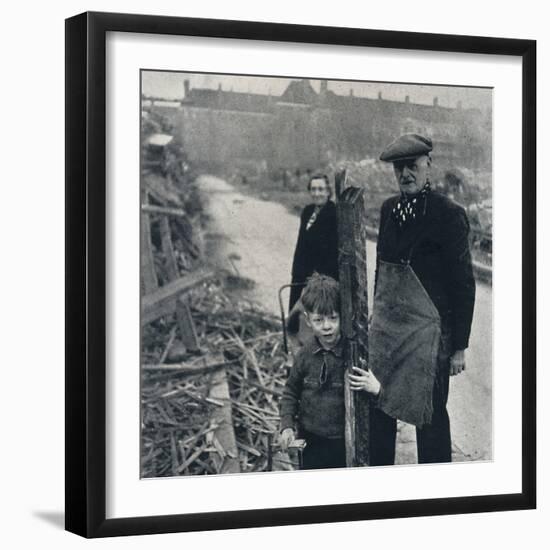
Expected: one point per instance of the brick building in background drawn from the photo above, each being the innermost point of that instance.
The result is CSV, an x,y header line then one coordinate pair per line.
x,y
303,129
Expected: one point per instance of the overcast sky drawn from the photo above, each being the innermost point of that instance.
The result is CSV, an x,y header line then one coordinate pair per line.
x,y
169,85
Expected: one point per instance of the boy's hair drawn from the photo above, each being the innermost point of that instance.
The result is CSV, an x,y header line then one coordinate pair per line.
x,y
321,295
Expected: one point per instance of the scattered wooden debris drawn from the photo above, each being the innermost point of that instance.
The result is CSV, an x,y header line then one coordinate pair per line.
x,y
212,368
194,423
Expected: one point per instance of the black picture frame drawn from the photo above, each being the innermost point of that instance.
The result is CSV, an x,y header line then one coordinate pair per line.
x,y
86,273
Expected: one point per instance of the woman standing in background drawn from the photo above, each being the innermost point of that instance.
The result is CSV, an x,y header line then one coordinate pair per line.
x,y
317,245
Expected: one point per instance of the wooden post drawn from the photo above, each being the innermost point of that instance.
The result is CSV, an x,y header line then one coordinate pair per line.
x,y
149,282
227,459
352,268
168,249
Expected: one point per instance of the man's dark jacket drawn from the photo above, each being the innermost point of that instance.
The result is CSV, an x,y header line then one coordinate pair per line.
x,y
316,248
440,258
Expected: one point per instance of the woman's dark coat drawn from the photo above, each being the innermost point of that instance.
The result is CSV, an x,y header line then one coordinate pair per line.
x,y
316,249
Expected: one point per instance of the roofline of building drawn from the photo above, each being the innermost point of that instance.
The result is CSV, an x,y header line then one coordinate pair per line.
x,y
356,98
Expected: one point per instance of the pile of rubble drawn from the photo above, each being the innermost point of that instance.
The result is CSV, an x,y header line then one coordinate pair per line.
x,y
212,364
181,427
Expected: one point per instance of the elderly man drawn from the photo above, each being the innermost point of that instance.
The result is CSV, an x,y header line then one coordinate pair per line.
x,y
423,306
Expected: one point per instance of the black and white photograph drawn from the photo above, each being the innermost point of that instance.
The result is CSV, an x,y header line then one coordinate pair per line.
x,y
275,275
315,274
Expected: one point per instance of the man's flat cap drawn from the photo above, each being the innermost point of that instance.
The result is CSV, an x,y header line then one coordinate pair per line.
x,y
408,146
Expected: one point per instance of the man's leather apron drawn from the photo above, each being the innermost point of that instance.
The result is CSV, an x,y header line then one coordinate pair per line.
x,y
404,340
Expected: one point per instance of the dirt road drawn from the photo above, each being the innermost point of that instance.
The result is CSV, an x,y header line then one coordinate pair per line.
x,y
260,237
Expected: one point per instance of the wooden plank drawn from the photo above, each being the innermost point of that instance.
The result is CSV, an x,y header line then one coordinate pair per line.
x,y
163,301
188,332
225,432
198,366
352,267
165,211
186,325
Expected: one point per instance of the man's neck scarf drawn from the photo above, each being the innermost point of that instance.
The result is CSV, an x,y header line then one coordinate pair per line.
x,y
409,208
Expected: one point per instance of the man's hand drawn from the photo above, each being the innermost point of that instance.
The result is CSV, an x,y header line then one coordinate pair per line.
x,y
458,362
286,438
364,380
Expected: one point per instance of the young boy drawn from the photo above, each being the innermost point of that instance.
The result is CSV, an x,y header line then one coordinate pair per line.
x,y
313,398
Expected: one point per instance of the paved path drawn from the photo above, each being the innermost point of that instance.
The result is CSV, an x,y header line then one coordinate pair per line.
x,y
263,234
